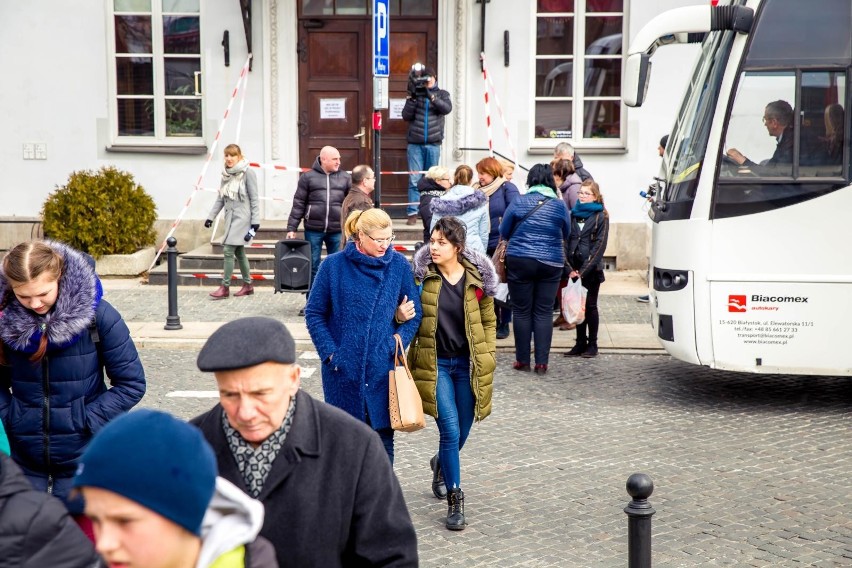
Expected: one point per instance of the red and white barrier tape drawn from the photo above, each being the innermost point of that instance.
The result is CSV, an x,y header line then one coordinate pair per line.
x,y
499,110
233,277
487,108
299,169
210,153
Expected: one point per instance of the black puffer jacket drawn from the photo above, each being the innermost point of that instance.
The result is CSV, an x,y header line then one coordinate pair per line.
x,y
429,189
319,199
425,116
35,528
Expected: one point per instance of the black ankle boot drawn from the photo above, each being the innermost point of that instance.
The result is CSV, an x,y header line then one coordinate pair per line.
x,y
439,488
455,510
578,349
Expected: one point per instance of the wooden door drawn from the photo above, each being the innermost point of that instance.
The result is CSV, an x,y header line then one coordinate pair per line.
x,y
336,92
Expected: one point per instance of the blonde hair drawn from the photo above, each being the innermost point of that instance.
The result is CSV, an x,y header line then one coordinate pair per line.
x,y
437,172
507,165
463,175
366,221
233,150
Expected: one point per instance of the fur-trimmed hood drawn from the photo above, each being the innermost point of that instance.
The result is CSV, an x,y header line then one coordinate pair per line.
x,y
423,259
457,200
80,293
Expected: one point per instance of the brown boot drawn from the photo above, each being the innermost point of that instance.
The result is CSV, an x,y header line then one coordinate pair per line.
x,y
412,220
246,290
559,321
220,293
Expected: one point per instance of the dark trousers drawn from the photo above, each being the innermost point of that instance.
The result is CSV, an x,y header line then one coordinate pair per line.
x,y
587,332
532,286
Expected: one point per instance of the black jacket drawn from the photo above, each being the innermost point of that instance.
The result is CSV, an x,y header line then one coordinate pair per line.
x,y
332,498
319,199
35,528
425,116
429,189
586,247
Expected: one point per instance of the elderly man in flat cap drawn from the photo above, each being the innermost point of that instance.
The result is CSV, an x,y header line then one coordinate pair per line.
x,y
331,496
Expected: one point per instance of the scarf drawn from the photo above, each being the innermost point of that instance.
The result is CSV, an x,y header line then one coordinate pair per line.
x,y
543,190
491,187
586,210
233,180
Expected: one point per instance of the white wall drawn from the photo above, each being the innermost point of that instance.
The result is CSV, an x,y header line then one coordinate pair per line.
x,y
55,56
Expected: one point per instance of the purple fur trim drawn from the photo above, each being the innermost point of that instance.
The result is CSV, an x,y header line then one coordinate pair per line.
x,y
423,258
80,293
445,206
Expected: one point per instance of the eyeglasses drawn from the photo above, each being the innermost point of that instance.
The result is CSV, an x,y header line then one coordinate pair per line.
x,y
585,193
445,179
382,242
767,119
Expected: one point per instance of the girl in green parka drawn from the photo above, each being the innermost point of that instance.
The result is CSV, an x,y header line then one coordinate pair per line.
x,y
453,355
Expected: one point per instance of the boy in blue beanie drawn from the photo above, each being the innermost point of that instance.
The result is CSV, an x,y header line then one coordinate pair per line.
x,y
150,487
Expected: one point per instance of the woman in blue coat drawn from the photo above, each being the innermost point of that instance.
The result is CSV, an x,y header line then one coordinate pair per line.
x,y
361,297
58,335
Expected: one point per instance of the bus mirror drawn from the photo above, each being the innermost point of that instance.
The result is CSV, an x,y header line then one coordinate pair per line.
x,y
637,72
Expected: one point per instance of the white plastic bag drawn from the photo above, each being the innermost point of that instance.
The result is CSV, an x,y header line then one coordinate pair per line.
x,y
574,302
502,294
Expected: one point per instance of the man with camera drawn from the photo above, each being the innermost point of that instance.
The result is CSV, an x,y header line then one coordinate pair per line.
x,y
424,111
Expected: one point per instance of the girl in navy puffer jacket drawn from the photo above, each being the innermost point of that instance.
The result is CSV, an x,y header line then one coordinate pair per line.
x,y
56,337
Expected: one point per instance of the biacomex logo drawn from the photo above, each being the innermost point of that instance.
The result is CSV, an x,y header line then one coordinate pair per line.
x,y
736,303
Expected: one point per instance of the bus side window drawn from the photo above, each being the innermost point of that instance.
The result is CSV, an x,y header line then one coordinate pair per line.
x,y
822,123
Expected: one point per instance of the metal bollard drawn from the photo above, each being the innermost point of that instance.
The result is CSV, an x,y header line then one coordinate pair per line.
x,y
639,512
173,319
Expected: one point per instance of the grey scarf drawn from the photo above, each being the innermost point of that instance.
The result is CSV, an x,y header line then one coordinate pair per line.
x,y
233,180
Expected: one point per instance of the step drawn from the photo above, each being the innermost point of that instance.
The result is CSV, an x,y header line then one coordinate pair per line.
x,y
159,277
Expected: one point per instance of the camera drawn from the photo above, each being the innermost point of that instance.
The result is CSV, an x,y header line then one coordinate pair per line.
x,y
652,189
418,78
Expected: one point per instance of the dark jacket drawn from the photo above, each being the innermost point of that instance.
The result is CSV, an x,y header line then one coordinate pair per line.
x,y
498,202
66,389
543,234
355,200
425,116
481,330
318,200
429,189
36,530
586,247
579,169
331,498
351,314
781,162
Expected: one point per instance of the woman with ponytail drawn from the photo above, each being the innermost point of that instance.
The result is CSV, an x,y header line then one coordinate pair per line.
x,y
361,297
58,340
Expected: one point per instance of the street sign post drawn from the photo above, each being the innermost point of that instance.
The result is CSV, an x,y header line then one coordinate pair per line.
x,y
381,72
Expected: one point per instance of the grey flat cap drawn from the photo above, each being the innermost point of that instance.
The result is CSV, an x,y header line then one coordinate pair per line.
x,y
247,342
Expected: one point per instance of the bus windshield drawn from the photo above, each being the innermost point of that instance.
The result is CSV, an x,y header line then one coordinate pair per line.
x,y
689,139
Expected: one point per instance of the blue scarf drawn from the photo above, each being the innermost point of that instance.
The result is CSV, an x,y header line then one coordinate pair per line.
x,y
586,210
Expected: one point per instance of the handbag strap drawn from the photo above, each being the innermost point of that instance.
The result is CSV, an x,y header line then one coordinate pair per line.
x,y
524,218
399,352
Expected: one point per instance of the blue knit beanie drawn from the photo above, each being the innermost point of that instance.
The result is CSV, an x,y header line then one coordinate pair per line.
x,y
156,460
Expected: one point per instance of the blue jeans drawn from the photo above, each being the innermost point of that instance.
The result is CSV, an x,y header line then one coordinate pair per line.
x,y
317,238
420,157
455,414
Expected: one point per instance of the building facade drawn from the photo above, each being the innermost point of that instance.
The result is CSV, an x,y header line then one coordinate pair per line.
x,y
150,87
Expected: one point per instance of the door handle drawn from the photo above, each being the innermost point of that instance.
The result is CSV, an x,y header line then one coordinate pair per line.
x,y
362,135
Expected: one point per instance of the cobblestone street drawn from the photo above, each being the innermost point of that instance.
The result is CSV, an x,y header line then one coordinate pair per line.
x,y
748,470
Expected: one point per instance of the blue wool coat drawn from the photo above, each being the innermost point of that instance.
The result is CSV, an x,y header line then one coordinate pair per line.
x,y
497,205
66,389
350,316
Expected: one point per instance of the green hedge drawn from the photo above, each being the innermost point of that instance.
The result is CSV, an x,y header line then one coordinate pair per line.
x,y
103,212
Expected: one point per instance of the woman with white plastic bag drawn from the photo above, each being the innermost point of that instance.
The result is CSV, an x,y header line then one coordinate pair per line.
x,y
589,231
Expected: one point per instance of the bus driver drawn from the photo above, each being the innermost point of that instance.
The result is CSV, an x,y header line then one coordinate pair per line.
x,y
778,119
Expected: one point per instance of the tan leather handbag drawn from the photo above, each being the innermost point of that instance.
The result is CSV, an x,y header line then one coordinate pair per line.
x,y
406,408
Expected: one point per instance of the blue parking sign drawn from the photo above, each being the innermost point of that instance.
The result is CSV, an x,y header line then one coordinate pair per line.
x,y
381,39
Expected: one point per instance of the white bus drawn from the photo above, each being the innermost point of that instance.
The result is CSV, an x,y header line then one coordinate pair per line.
x,y
752,218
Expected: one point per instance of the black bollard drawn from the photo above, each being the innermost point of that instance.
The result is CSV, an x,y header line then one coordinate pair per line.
x,y
639,512
173,319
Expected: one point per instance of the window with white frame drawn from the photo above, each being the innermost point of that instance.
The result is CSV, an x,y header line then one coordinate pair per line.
x,y
578,53
155,79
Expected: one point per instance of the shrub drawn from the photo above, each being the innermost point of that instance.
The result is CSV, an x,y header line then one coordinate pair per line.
x,y
103,212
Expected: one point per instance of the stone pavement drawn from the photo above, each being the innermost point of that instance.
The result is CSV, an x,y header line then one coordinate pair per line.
x,y
749,470
625,323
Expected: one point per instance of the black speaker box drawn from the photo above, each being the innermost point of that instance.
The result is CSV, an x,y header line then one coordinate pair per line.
x,y
292,266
